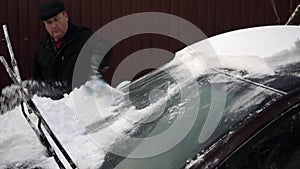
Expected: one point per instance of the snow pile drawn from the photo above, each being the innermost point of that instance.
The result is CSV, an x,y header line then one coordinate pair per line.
x,y
286,56
20,146
87,123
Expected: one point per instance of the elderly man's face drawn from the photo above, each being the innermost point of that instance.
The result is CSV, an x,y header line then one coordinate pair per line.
x,y
57,26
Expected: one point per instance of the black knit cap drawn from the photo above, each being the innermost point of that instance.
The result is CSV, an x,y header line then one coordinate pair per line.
x,y
50,8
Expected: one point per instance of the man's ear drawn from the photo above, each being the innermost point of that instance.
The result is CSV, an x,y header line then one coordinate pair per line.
x,y
66,15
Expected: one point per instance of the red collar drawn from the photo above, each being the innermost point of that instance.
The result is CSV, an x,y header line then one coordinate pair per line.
x,y
58,43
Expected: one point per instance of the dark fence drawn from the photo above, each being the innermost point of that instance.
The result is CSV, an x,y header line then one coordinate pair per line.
x,y
211,16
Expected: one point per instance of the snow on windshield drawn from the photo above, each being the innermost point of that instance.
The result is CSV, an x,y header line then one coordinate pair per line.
x,y
75,118
18,141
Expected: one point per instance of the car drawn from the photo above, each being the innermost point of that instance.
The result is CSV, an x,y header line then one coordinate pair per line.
x,y
230,101
245,104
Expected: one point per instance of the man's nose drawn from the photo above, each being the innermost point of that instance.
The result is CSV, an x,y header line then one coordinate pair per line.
x,y
53,25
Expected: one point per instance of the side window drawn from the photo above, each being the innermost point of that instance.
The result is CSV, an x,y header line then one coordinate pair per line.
x,y
276,147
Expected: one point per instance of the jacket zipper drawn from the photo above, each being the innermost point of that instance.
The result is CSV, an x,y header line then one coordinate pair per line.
x,y
58,52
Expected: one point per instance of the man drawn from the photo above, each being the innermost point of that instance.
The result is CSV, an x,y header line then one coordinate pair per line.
x,y
58,50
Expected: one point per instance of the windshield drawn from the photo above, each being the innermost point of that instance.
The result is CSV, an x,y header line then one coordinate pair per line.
x,y
207,104
183,116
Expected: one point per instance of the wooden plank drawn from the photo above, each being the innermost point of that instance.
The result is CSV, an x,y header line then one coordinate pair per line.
x,y
174,10
219,15
164,40
107,12
96,15
201,16
34,25
75,11
23,38
228,15
126,45
210,18
3,20
136,40
86,15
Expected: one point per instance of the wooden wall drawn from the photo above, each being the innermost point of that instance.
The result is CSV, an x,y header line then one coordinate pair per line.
x,y
211,16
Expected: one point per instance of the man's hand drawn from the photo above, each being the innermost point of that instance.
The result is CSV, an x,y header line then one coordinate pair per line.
x,y
10,96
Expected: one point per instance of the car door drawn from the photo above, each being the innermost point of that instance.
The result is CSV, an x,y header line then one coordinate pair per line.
x,y
276,146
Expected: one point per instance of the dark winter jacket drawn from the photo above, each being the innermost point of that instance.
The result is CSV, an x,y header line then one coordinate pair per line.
x,y
53,65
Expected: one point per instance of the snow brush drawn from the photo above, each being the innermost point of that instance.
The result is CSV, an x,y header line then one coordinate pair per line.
x,y
32,108
294,15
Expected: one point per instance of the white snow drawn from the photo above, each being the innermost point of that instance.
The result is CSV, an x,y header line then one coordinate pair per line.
x,y
261,41
71,117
